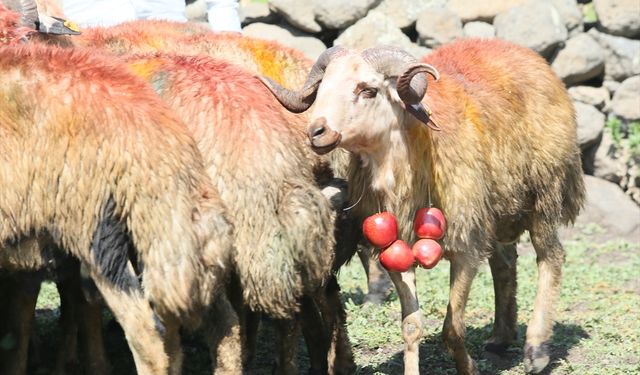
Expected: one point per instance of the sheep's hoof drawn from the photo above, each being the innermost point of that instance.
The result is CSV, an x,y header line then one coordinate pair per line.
x,y
499,348
536,358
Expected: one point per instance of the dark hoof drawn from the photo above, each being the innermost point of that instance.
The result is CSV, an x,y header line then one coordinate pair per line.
x,y
315,371
499,348
536,358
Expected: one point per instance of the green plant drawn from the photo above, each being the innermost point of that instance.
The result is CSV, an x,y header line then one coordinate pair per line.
x,y
589,14
634,138
615,127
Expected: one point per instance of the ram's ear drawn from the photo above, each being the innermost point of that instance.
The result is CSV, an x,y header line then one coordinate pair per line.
x,y
56,26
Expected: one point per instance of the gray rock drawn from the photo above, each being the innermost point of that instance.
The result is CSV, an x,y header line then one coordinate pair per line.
x,y
609,208
570,13
306,43
479,29
595,96
581,59
618,17
622,59
257,12
590,124
611,85
437,26
608,164
339,14
196,11
537,25
404,13
375,29
626,100
299,13
475,10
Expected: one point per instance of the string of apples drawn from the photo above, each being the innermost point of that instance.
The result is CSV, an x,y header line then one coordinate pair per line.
x,y
429,224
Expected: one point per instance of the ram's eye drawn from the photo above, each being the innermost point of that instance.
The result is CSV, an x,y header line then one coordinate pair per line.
x,y
369,92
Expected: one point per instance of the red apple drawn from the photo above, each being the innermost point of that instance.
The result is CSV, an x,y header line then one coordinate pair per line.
x,y
427,252
380,229
397,257
429,223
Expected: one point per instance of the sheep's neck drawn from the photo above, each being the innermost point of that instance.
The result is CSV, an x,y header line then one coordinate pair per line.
x,y
392,169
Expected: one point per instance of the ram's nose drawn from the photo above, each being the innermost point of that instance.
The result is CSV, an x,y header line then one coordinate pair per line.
x,y
323,139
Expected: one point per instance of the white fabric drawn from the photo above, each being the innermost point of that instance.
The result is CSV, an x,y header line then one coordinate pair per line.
x,y
170,10
90,13
223,15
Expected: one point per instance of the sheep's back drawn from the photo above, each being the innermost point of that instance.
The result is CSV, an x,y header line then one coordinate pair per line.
x,y
256,155
78,130
508,146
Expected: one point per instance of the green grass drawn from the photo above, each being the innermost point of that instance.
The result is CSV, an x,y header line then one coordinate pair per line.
x,y
597,329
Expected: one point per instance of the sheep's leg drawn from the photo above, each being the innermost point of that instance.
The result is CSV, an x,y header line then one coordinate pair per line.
x,y
173,346
67,356
340,357
315,333
550,258
249,321
91,337
223,336
287,332
142,328
463,270
503,264
378,283
23,295
412,328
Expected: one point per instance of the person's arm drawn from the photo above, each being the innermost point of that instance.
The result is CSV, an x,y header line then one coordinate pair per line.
x,y
223,15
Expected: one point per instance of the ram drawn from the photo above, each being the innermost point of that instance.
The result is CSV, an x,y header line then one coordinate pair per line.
x,y
107,175
493,144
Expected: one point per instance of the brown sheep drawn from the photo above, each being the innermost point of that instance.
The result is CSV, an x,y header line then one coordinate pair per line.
x,y
95,160
266,176
265,57
504,160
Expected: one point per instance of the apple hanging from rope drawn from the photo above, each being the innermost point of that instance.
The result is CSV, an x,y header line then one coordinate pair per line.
x,y
381,229
398,257
429,222
427,252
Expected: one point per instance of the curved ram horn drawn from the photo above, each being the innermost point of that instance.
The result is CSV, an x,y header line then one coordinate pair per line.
x,y
396,62
300,101
410,94
28,13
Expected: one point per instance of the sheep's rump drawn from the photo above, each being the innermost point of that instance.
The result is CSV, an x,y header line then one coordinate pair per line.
x,y
255,153
89,152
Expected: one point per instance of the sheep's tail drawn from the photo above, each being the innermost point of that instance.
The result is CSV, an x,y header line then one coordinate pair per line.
x,y
184,253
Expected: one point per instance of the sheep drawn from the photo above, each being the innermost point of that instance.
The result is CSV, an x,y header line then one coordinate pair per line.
x,y
265,57
268,180
92,158
503,160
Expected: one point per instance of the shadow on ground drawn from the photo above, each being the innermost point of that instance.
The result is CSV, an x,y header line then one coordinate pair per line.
x,y
435,360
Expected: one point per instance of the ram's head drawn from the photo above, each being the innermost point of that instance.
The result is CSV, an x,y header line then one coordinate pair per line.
x,y
359,97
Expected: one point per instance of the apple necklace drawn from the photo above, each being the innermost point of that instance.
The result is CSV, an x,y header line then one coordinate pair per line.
x,y
429,224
